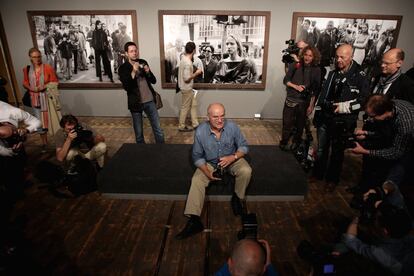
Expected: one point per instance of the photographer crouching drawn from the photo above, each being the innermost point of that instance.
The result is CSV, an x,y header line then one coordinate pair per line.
x,y
12,162
76,138
395,249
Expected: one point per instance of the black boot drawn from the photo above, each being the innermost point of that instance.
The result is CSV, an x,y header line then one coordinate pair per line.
x,y
237,205
192,227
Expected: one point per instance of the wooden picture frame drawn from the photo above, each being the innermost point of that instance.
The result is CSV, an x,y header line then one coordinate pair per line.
x,y
370,35
242,65
121,25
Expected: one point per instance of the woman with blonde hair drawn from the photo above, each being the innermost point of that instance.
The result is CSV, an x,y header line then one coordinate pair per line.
x,y
38,79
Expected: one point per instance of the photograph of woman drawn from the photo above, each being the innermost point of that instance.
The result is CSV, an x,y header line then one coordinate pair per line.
x,y
235,68
361,43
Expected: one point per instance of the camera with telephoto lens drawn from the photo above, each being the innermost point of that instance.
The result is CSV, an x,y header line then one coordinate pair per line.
x,y
291,49
249,227
323,263
83,136
218,172
367,207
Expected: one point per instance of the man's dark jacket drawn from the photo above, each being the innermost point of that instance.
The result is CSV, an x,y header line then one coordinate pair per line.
x,y
131,84
401,89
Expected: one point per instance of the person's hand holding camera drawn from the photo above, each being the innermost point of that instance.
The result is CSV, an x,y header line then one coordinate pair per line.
x,y
358,149
226,160
72,135
372,191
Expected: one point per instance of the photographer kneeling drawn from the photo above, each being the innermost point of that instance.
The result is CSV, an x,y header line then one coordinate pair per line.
x,y
75,138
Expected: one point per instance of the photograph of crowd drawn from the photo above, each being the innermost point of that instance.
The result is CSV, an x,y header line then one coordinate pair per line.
x,y
369,35
85,48
231,49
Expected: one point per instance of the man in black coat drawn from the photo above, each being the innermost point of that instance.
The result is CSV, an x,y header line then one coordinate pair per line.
x,y
137,80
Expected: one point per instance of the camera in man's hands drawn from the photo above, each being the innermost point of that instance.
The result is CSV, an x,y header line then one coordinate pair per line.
x,y
219,172
249,227
83,136
291,49
15,139
322,262
367,206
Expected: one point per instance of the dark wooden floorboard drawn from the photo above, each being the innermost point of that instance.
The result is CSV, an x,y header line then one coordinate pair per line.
x,y
93,235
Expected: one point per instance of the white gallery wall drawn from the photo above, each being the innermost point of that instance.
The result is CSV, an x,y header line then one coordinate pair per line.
x,y
239,103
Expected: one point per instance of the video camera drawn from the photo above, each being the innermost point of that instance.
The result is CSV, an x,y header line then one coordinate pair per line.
x,y
84,136
291,49
323,263
219,172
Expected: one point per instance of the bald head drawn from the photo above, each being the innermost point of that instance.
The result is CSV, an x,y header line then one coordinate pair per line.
x,y
344,57
392,61
215,114
247,258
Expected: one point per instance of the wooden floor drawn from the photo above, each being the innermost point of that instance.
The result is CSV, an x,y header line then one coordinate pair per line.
x,y
93,235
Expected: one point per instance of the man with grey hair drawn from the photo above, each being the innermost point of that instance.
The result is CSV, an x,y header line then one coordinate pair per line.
x,y
220,146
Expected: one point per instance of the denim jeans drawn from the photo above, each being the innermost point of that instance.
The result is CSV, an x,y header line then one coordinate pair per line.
x,y
331,147
151,111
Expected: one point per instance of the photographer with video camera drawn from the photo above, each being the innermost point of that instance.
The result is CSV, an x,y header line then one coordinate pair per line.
x,y
76,138
399,153
336,113
302,85
12,161
395,249
249,257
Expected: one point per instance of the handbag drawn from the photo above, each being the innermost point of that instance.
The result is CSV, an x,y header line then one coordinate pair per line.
x,y
27,101
158,100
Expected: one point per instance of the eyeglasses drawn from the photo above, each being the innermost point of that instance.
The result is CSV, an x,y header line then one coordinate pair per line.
x,y
388,63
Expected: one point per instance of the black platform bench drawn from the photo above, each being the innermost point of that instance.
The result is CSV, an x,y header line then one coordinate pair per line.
x,y
152,171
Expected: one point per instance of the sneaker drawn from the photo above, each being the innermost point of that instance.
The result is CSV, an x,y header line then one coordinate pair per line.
x,y
185,129
192,227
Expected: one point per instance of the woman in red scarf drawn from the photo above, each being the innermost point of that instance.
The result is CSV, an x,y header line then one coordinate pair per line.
x,y
36,77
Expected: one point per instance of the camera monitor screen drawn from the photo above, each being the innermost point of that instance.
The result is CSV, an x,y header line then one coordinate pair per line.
x,y
328,268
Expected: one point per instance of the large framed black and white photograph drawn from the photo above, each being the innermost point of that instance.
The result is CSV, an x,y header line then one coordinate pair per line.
x,y
370,35
84,47
231,47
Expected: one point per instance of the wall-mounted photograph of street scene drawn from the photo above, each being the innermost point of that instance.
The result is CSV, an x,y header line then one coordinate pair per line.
x,y
85,48
231,47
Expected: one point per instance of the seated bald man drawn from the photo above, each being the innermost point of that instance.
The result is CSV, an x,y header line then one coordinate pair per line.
x,y
218,142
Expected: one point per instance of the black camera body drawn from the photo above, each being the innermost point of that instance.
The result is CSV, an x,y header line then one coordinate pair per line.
x,y
219,172
83,136
367,207
291,49
249,227
322,263
15,139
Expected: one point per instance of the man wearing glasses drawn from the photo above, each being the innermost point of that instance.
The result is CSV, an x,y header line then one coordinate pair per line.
x,y
392,82
218,145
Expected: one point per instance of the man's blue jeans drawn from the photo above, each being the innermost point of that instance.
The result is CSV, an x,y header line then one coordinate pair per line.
x,y
151,111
